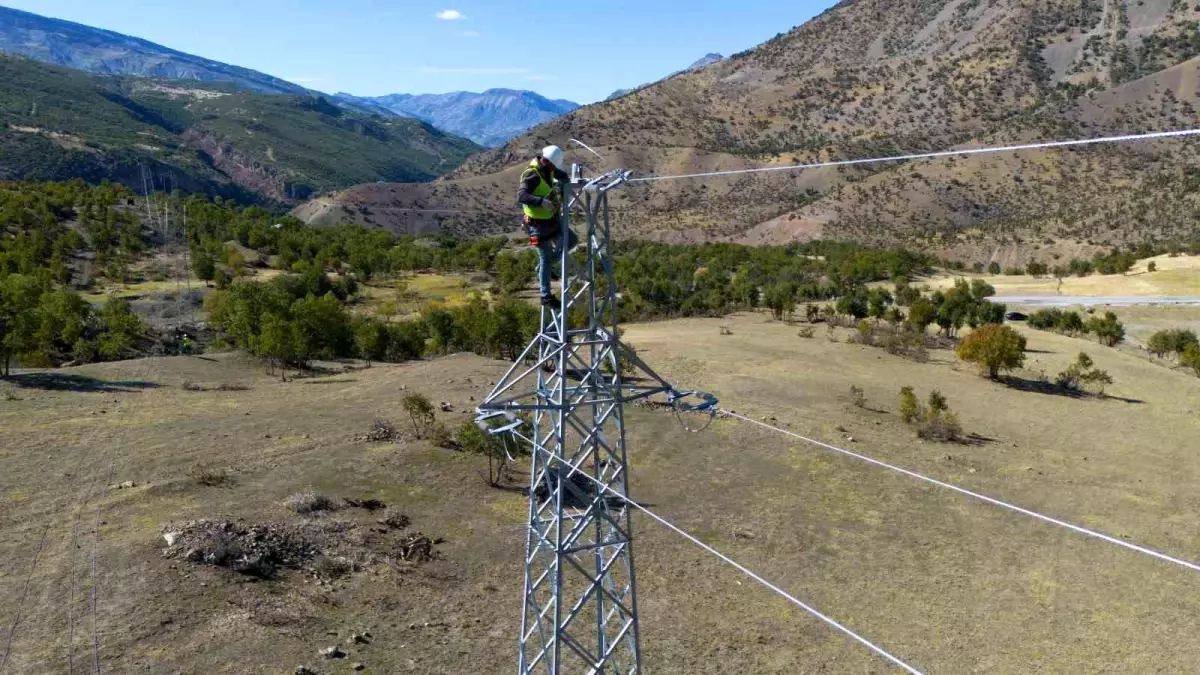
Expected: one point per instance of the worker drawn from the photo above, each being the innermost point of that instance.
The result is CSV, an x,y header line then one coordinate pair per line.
x,y
541,199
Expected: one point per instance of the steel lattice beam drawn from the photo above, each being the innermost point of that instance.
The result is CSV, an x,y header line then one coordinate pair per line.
x,y
580,600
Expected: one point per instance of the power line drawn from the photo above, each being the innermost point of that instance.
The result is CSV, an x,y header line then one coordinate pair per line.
x,y
963,491
934,155
894,660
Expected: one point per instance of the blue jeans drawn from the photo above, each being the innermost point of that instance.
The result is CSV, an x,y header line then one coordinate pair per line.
x,y
549,251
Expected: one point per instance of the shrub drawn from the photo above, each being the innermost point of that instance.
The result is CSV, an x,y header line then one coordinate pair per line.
x,y
1152,267
1173,341
725,330
1082,374
420,411
305,503
937,402
943,427
440,436
1190,358
476,441
994,348
910,407
208,475
857,396
1107,329
806,332
329,567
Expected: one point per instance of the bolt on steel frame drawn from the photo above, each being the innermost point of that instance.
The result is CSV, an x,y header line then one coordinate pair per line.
x,y
563,399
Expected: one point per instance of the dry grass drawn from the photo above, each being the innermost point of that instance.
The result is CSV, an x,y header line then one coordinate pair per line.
x,y
897,560
1179,276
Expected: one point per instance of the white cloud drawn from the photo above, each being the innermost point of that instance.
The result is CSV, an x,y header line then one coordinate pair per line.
x,y
475,71
450,15
469,34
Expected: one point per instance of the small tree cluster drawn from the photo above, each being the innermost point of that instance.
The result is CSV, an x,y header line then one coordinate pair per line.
x,y
934,421
1083,374
1108,329
1173,341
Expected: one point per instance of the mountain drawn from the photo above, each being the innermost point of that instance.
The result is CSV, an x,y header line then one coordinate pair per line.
x,y
58,123
871,78
704,62
490,119
82,47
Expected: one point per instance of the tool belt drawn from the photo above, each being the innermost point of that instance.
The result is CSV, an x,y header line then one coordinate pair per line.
x,y
540,229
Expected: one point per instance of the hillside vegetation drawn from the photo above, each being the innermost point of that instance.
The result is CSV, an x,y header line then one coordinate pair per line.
x,y
57,123
883,77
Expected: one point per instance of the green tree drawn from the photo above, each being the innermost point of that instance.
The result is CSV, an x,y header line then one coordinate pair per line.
x,y
120,330
921,315
1108,329
1173,341
994,268
993,348
204,266
371,338
1152,267
277,342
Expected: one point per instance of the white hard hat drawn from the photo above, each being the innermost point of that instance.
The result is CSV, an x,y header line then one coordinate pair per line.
x,y
554,155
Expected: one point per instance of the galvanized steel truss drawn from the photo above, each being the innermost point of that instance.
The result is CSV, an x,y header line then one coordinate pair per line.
x,y
564,400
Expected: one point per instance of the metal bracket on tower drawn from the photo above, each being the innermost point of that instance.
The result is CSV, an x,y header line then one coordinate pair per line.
x,y
571,384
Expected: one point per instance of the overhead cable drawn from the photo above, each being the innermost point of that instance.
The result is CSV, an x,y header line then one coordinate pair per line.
x,y
934,155
963,491
894,660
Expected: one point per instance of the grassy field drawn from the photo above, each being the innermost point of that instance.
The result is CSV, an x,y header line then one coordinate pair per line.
x,y
1178,276
948,584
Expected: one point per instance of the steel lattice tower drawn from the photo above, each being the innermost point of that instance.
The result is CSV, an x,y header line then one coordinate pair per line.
x,y
564,400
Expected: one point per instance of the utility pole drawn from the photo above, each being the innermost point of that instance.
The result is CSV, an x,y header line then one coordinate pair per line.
x,y
564,400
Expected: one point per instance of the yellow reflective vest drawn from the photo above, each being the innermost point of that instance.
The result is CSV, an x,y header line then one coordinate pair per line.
x,y
544,189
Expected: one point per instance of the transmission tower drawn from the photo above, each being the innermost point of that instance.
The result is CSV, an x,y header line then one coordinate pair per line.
x,y
563,399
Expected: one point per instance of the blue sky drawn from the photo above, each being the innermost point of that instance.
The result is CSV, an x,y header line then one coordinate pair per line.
x,y
574,50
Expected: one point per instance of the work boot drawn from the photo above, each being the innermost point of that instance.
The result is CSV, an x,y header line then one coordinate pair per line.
x,y
551,301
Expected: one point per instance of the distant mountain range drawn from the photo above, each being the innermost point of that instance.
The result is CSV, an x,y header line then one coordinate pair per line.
x,y
58,123
492,118
82,47
708,60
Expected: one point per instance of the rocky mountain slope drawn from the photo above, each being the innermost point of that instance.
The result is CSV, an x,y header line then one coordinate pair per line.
x,y
881,77
704,62
490,118
59,123
95,50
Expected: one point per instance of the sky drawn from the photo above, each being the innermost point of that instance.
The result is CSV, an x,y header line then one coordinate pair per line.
x,y
573,50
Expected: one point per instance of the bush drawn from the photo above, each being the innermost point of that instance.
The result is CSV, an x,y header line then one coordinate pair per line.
x,y
806,332
440,436
994,348
208,475
1191,358
910,407
1174,341
1107,329
858,397
476,441
1083,374
305,503
420,411
329,567
942,427
937,402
